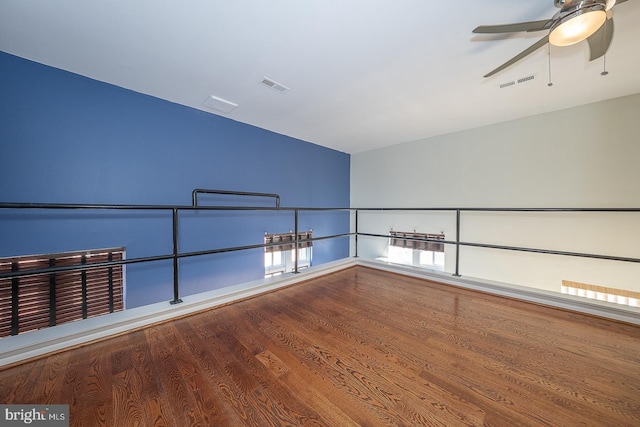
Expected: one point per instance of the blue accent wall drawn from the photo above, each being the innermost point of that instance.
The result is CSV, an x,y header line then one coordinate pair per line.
x,y
65,138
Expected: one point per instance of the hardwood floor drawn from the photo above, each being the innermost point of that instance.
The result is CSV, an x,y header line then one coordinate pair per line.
x,y
356,347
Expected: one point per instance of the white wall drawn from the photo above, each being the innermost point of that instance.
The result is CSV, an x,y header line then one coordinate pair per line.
x,y
587,156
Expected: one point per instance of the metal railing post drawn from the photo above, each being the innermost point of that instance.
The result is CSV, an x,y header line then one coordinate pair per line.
x,y
176,294
457,273
356,234
296,253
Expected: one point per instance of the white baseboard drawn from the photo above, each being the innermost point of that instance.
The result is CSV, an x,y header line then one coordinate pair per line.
x,y
33,344
553,299
38,343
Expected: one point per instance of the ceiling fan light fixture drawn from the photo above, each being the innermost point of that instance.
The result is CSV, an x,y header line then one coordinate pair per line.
x,y
577,26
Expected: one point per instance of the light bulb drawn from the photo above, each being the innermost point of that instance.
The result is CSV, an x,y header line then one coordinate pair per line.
x,y
577,28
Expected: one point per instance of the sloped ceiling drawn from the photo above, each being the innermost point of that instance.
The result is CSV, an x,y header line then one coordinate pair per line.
x,y
362,74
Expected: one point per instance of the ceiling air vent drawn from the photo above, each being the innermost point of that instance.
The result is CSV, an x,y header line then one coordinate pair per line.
x,y
274,85
518,81
219,104
526,79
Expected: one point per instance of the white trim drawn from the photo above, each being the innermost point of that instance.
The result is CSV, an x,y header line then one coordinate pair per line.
x,y
554,299
37,343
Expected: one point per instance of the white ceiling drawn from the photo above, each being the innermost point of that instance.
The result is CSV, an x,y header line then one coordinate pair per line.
x,y
363,74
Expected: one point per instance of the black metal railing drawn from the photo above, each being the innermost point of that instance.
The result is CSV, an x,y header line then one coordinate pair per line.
x,y
176,255
460,243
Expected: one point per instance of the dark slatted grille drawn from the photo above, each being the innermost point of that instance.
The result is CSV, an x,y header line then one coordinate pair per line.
x,y
287,241
419,241
42,300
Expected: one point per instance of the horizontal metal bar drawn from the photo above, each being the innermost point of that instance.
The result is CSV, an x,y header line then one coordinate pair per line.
x,y
550,209
71,206
333,236
292,208
219,251
104,264
256,246
449,242
517,248
505,209
551,252
194,194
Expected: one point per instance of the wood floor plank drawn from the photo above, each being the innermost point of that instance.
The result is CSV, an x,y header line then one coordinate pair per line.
x,y
16,384
138,392
94,402
305,383
364,357
356,347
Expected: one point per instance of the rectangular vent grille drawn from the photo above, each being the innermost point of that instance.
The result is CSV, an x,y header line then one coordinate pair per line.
x,y
526,79
274,85
518,81
219,104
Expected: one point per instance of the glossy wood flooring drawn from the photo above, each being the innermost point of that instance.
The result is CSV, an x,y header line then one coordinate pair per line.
x,y
356,347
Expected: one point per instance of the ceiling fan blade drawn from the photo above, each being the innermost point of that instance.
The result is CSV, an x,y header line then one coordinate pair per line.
x,y
514,28
600,40
537,45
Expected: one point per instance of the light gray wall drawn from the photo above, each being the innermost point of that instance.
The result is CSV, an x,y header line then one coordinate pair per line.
x,y
587,156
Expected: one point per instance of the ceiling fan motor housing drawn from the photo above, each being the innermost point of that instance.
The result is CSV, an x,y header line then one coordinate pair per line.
x,y
577,21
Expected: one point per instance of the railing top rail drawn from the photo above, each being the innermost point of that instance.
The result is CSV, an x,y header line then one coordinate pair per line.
x,y
489,209
20,205
71,206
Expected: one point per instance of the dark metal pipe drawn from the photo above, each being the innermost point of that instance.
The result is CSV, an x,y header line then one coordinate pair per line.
x,y
551,252
176,291
356,238
297,243
506,209
417,239
175,255
457,273
70,206
194,195
36,272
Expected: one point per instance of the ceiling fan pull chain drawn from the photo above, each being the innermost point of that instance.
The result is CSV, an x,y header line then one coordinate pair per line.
x,y
549,59
604,55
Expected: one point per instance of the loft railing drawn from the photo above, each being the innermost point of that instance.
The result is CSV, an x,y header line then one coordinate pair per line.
x,y
176,255
460,243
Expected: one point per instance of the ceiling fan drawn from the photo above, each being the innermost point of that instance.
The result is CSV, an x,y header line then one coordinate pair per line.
x,y
576,20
